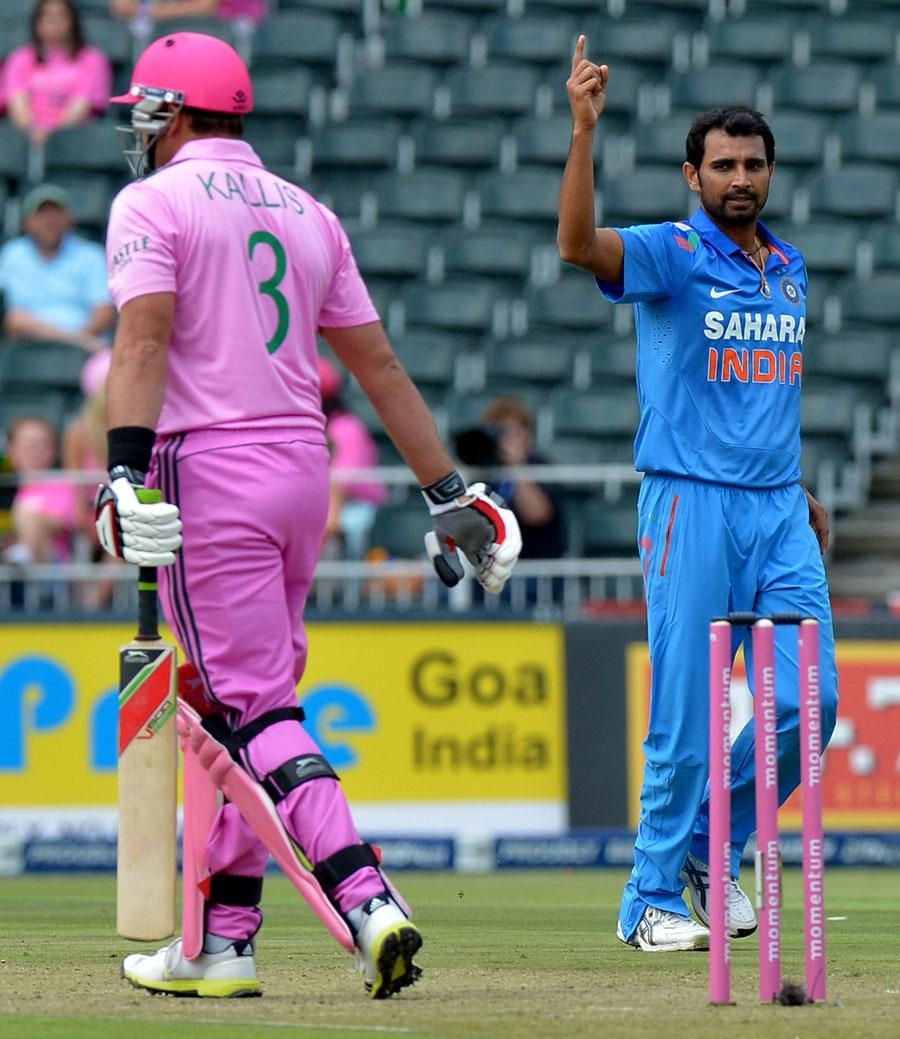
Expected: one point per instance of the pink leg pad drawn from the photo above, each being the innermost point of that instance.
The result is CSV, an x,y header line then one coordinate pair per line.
x,y
257,808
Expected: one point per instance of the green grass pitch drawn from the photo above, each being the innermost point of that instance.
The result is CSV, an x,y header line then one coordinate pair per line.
x,y
517,955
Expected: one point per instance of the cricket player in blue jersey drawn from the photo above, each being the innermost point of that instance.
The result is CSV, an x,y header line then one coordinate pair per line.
x,y
724,522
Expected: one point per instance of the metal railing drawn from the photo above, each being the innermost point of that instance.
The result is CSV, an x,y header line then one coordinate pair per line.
x,y
553,588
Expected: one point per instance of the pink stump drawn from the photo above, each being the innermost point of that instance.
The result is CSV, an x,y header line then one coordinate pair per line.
x,y
813,838
768,853
719,809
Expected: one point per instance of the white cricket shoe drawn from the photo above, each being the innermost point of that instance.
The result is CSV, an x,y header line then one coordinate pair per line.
x,y
664,931
387,940
741,914
228,973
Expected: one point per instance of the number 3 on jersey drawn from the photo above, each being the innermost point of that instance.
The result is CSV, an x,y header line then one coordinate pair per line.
x,y
269,287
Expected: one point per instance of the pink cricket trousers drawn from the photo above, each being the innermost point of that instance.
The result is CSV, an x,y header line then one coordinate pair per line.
x,y
254,515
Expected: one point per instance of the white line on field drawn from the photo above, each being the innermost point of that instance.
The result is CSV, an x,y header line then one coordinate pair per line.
x,y
289,1024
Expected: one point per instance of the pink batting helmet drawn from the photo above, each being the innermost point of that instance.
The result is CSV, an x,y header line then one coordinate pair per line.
x,y
329,379
193,69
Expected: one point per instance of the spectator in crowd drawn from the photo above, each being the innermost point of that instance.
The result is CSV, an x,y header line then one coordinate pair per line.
x,y
58,80
142,16
352,506
44,512
84,451
54,281
536,505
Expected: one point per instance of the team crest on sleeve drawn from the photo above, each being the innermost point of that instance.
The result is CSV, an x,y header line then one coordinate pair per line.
x,y
686,237
790,291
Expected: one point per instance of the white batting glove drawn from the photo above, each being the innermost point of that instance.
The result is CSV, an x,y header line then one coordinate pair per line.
x,y
133,523
475,521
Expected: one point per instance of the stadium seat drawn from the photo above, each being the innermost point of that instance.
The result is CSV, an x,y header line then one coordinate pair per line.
x,y
874,300
460,304
90,147
544,140
296,38
612,361
536,360
36,365
573,303
526,194
90,195
780,203
871,138
828,412
885,78
644,41
858,38
466,411
828,246
610,528
430,357
501,88
51,405
767,39
628,82
359,144
436,195
591,450
438,37
885,239
467,143
13,153
857,357
546,40
607,412
110,35
800,136
719,83
662,140
279,91
403,88
400,528
824,86
864,190
275,141
496,250
645,195
391,249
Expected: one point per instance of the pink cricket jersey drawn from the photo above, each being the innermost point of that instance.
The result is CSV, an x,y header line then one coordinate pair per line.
x,y
257,265
253,10
51,85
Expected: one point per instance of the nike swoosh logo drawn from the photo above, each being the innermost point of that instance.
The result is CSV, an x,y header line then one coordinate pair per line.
x,y
719,293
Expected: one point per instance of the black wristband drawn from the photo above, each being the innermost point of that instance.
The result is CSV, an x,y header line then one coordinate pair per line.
x,y
449,488
130,446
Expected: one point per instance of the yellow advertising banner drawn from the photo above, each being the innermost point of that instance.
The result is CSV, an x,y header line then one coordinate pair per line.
x,y
405,712
860,786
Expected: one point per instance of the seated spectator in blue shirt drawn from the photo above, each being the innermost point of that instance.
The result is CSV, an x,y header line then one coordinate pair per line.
x,y
53,280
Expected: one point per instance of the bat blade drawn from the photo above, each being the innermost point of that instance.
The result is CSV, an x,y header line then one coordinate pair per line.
x,y
147,856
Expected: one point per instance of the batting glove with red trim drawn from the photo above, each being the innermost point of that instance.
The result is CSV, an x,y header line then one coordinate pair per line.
x,y
475,521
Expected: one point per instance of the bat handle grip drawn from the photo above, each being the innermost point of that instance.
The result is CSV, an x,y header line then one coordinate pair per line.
x,y
148,613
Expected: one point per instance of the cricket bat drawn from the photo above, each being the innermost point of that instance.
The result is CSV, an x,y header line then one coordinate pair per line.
x,y
148,763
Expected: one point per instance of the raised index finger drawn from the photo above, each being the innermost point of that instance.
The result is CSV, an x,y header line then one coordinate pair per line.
x,y
578,56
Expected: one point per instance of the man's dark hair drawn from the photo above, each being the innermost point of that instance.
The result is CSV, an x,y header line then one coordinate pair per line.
x,y
218,124
736,121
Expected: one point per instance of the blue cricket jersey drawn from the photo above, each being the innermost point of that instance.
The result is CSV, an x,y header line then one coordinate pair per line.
x,y
719,365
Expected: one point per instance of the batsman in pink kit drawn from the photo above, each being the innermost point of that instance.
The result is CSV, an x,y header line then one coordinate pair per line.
x,y
222,273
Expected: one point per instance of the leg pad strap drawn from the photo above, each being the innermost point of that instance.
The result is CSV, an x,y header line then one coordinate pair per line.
x,y
229,889
344,863
287,777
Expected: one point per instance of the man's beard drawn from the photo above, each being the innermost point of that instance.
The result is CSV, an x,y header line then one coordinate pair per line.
x,y
722,215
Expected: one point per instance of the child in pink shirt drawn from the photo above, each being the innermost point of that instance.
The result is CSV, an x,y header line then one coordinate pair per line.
x,y
57,80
